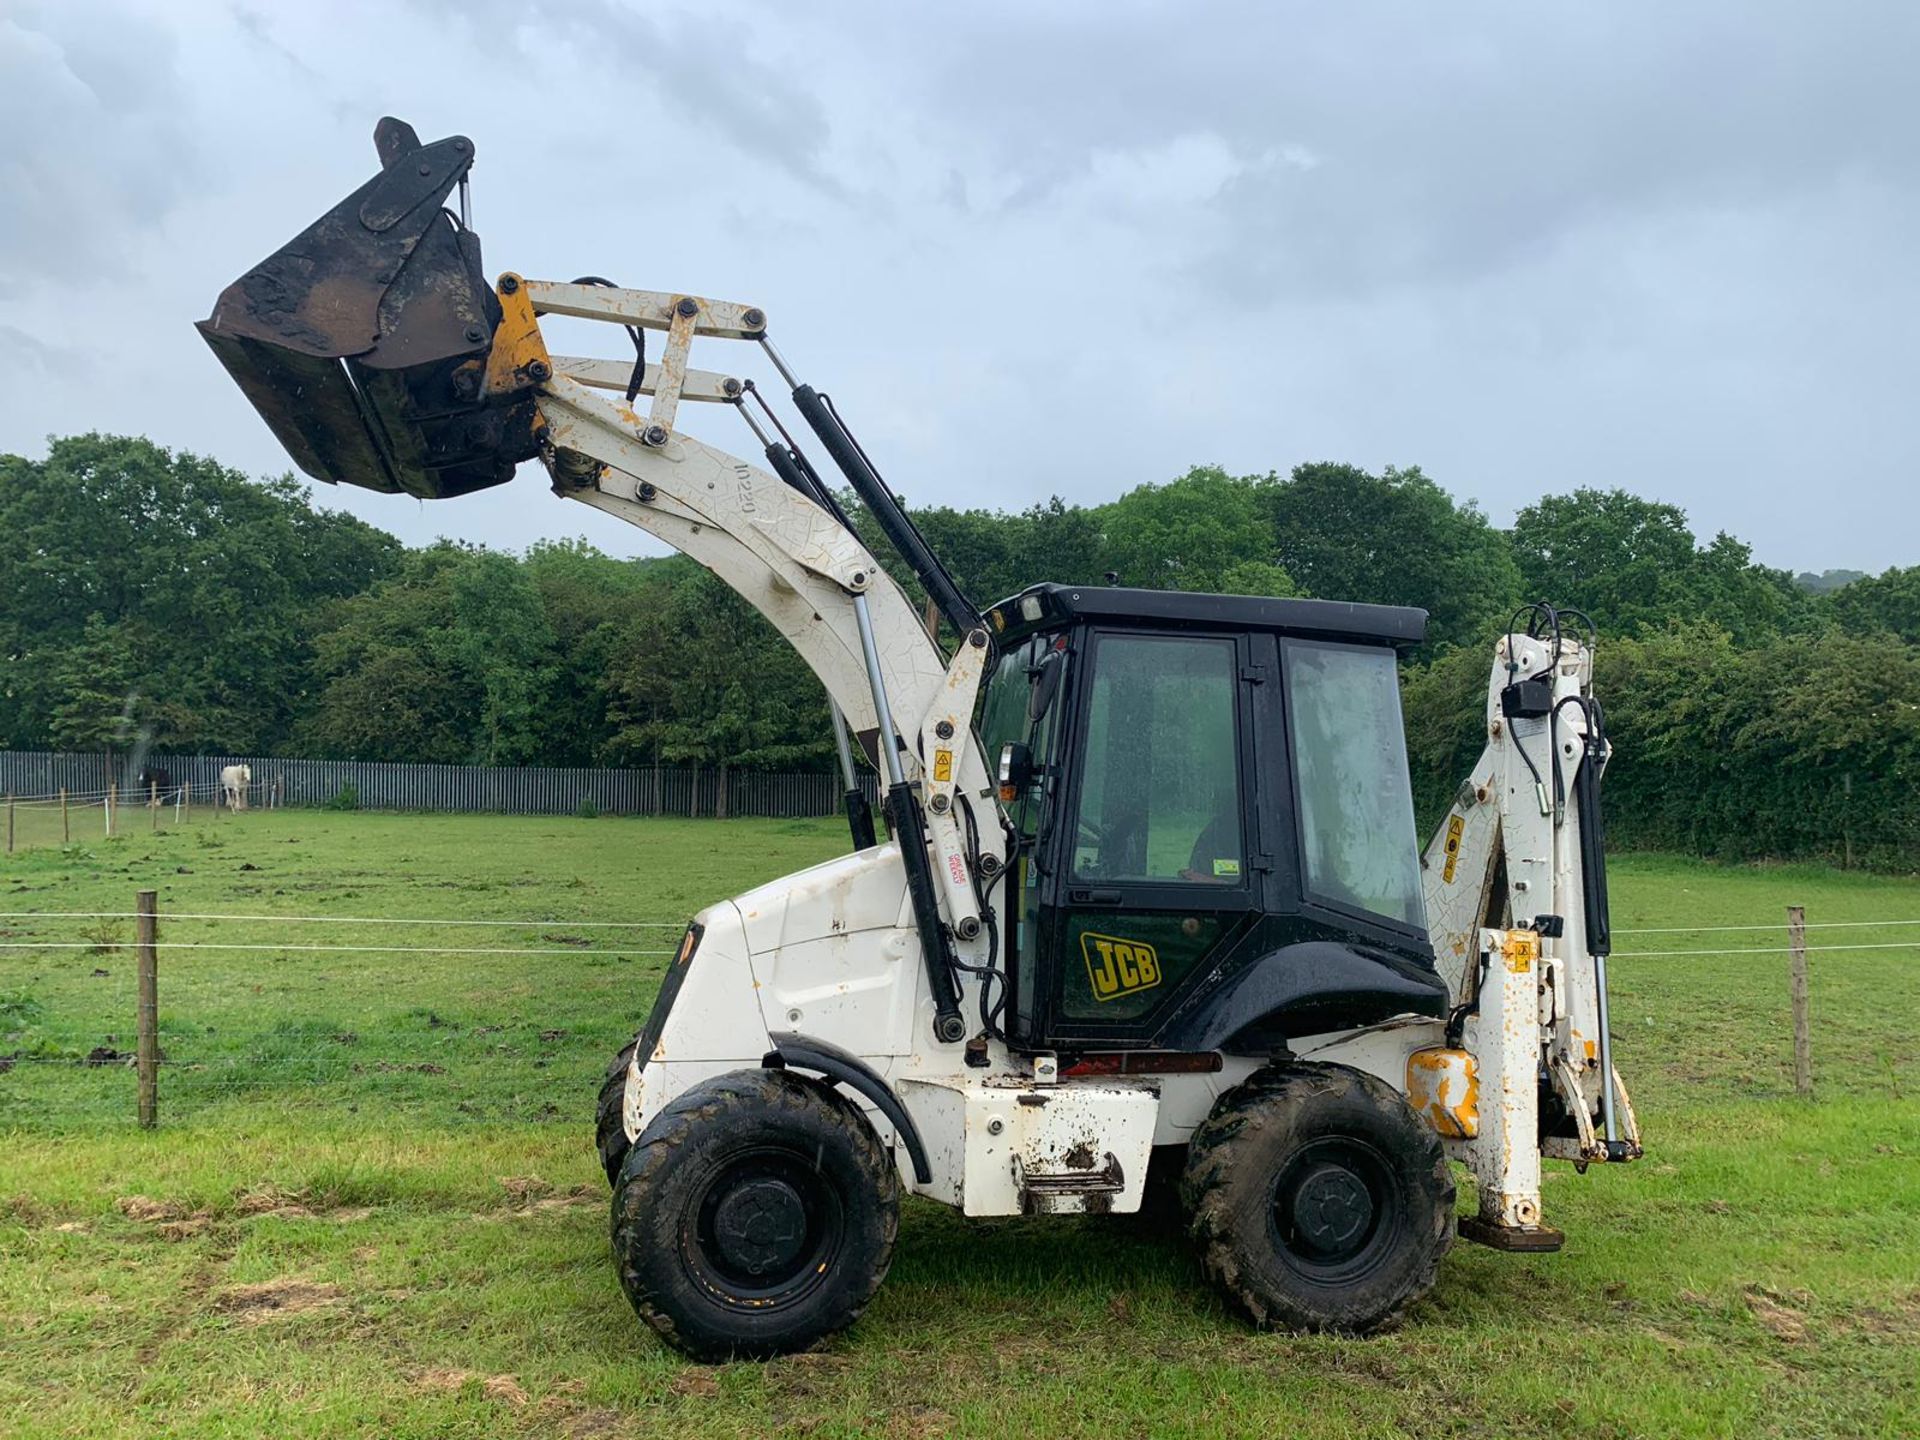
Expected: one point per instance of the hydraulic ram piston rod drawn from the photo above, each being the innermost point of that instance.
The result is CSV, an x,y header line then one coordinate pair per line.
x,y
909,829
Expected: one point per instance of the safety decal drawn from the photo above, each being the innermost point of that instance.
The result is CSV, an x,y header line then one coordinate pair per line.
x,y
1226,867
1455,826
1117,967
942,766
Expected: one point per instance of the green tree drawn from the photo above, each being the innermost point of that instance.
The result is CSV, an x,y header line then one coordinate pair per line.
x,y
710,682
1889,603
210,580
503,643
1208,530
1395,538
1631,562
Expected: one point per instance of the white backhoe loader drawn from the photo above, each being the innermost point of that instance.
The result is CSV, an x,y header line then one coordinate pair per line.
x,y
1150,880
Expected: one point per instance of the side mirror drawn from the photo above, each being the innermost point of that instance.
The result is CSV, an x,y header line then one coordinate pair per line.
x,y
1016,772
1046,684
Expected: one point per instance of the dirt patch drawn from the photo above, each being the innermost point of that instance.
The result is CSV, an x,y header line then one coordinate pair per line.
x,y
255,1304
595,1424
694,1385
504,1388
146,1208
1770,1309
268,1198
919,1422
523,1190
1901,1321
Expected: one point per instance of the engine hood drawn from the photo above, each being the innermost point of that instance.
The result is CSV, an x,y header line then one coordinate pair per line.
x,y
866,890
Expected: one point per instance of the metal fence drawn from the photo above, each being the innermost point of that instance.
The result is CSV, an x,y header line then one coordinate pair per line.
x,y
533,790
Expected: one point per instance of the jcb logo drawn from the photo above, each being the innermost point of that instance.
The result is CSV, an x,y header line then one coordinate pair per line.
x,y
1119,967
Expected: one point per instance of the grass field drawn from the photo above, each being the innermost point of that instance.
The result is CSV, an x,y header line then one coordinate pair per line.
x,y
372,1208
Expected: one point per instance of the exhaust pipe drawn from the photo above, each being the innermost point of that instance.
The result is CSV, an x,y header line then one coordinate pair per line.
x,y
363,342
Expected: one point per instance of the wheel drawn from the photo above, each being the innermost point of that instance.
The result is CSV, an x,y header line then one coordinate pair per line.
x,y
609,1120
1319,1199
754,1216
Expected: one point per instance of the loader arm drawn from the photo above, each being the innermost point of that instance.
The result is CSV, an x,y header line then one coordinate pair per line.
x,y
382,357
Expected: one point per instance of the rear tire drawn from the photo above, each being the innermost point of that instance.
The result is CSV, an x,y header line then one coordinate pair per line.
x,y
1319,1199
754,1216
609,1116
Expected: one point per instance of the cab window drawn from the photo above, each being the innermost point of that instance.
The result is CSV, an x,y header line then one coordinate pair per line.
x,y
1160,795
1350,769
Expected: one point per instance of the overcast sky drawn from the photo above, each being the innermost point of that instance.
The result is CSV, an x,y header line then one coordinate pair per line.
x,y
1058,248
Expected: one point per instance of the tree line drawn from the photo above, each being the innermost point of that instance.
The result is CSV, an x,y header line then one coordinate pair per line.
x,y
162,598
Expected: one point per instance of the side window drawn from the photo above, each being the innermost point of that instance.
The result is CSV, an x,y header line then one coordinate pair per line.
x,y
1160,797
1350,760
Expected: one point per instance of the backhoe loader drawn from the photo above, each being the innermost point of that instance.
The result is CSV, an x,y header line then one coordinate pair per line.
x,y
1149,883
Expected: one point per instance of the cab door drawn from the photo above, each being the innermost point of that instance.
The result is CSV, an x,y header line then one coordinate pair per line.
x,y
1155,858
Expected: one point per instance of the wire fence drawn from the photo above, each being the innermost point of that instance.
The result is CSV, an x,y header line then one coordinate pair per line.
x,y
113,786
454,1019
65,817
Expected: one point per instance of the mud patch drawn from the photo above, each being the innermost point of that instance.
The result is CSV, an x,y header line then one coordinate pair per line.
x,y
1772,1311
694,1385
256,1304
504,1388
146,1208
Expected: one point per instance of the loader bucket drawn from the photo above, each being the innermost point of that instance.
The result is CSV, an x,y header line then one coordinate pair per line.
x,y
363,341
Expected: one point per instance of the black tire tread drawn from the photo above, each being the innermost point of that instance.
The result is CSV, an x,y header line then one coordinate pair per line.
x,y
609,1124
1213,1157
700,1112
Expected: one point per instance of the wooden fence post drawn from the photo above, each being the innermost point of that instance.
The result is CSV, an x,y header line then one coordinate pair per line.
x,y
9,823
153,802
146,933
66,828
1797,986
113,796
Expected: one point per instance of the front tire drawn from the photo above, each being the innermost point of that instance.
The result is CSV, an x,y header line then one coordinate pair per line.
x,y
1319,1199
754,1216
609,1117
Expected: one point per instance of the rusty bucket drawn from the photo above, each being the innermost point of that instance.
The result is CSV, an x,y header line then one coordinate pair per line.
x,y
363,341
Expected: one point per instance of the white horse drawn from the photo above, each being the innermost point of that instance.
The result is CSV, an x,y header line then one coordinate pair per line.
x,y
234,783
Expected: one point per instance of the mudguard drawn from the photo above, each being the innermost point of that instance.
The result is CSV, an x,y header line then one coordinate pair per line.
x,y
1313,987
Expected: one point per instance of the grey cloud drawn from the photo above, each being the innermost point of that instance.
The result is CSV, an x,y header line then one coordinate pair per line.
x,y
35,359
1450,143
701,66
98,92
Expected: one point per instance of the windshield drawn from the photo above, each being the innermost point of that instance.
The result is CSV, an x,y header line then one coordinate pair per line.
x,y
1350,761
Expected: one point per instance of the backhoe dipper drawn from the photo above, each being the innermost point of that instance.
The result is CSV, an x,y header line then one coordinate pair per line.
x,y
1150,880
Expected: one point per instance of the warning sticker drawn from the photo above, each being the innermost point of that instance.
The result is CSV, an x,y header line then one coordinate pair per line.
x,y
942,766
1455,826
1226,867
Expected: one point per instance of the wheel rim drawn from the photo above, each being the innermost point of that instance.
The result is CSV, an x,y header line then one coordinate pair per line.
x,y
1337,1208
767,1229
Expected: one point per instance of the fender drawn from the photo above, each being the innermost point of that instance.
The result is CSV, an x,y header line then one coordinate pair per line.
x,y
801,1052
1310,988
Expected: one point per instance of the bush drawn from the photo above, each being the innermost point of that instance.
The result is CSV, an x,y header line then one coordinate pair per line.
x,y
347,797
587,810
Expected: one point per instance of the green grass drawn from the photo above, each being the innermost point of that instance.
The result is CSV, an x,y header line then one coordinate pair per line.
x,y
371,1206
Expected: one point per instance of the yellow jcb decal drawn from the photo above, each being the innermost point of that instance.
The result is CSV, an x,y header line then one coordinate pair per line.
x,y
1455,827
1117,967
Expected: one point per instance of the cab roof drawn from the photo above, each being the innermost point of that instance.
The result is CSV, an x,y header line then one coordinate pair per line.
x,y
1049,606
